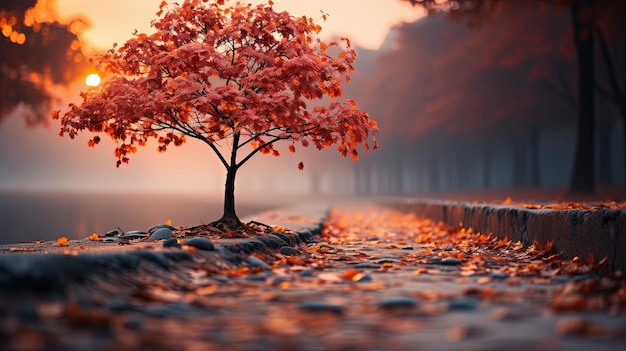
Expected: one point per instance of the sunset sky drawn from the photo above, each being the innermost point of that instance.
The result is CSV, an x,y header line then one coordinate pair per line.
x,y
38,159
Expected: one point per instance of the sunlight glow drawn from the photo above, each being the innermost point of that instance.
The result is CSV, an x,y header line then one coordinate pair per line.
x,y
92,80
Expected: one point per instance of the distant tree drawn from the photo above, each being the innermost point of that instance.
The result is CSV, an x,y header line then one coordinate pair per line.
x,y
36,52
586,28
239,75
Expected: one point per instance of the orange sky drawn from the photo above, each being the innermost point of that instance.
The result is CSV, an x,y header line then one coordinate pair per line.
x,y
365,22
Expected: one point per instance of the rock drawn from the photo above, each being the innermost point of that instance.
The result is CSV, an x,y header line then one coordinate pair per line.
x,y
433,260
385,259
161,234
321,306
113,232
451,261
559,279
307,273
398,302
160,226
256,262
288,251
118,305
256,278
366,265
498,275
133,234
200,243
462,304
171,242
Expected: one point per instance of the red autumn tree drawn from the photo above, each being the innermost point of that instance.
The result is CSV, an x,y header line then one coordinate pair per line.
x,y
239,75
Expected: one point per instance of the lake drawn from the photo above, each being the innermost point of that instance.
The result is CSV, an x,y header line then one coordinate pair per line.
x,y
29,216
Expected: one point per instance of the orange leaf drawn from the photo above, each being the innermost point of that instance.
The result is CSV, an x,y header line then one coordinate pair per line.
x,y
507,200
278,228
92,237
168,222
62,241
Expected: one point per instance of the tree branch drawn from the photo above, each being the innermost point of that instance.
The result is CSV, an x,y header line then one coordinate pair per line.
x,y
259,148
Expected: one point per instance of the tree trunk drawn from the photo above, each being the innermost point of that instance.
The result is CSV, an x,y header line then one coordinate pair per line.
x,y
604,143
229,218
486,176
520,168
582,179
535,171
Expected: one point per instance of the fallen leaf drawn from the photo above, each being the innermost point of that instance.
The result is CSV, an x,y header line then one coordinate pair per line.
x,y
62,241
94,237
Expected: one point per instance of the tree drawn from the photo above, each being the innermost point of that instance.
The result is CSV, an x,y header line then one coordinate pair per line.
x,y
239,75
37,51
585,28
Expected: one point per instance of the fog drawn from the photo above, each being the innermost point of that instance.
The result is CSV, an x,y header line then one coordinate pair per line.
x,y
459,109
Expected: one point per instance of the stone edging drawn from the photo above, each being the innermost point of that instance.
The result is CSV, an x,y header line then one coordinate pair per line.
x,y
600,232
52,272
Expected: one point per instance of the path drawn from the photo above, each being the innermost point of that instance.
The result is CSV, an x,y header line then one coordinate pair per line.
x,y
376,280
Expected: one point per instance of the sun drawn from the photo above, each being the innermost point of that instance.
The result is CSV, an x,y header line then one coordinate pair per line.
x,y
92,80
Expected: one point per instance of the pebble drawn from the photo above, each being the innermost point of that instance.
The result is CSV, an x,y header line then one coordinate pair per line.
x,y
582,277
160,234
256,278
160,226
118,305
256,262
363,278
462,304
306,273
397,302
451,261
561,279
171,242
433,260
366,265
288,251
385,259
498,275
200,243
113,232
321,306
135,234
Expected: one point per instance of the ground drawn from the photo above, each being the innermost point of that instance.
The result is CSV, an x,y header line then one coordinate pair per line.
x,y
374,279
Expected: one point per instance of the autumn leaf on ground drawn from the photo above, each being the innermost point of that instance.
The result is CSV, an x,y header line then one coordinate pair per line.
x,y
62,241
168,222
278,228
92,237
507,201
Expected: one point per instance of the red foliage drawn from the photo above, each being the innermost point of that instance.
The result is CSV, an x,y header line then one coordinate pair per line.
x,y
241,74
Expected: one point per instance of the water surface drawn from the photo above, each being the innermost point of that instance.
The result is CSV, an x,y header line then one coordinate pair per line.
x,y
28,216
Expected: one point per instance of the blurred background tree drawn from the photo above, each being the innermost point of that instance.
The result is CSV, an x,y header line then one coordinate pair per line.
x,y
37,53
590,21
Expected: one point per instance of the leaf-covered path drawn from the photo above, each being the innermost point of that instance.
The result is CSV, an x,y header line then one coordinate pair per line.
x,y
376,280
